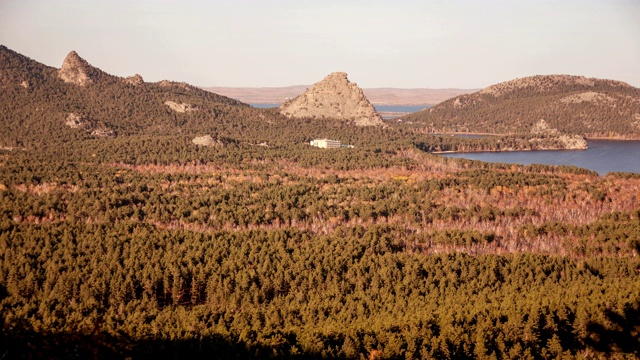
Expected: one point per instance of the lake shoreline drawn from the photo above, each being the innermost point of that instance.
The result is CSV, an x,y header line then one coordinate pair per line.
x,y
500,151
611,138
603,156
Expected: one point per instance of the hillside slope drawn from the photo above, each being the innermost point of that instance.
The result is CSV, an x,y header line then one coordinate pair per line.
x,y
81,113
40,104
570,104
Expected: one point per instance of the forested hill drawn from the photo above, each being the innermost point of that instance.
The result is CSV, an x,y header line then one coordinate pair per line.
x,y
39,104
79,112
571,104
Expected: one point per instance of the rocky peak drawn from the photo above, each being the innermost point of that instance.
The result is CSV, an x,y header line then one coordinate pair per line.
x,y
338,78
334,97
76,121
75,70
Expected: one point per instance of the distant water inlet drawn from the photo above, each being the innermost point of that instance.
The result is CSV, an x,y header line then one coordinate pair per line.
x,y
603,156
265,106
394,111
386,111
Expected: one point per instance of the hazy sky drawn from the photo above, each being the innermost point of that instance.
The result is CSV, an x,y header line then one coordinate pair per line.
x,y
402,43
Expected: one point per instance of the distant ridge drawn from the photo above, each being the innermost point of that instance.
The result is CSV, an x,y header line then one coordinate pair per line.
x,y
595,108
377,96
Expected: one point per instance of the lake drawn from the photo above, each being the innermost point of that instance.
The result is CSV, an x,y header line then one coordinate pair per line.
x,y
602,156
400,108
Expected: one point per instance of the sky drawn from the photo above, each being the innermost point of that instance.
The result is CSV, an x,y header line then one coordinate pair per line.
x,y
400,44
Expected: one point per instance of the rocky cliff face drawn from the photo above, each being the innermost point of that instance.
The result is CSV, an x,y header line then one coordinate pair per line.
x,y
334,97
180,107
76,70
563,141
206,140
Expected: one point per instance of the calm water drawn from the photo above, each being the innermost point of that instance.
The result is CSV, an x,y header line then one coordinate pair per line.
x,y
400,108
379,108
602,156
265,106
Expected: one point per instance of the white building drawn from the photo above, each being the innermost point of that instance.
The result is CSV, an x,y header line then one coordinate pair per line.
x,y
325,143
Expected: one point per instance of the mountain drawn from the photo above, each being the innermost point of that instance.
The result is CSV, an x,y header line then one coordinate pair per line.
x,y
41,104
333,97
570,104
377,96
80,111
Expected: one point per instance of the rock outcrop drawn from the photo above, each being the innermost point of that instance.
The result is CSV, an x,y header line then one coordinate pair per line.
x,y
103,133
76,70
134,80
542,128
589,96
206,140
636,122
75,121
180,107
573,142
563,141
175,85
334,97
